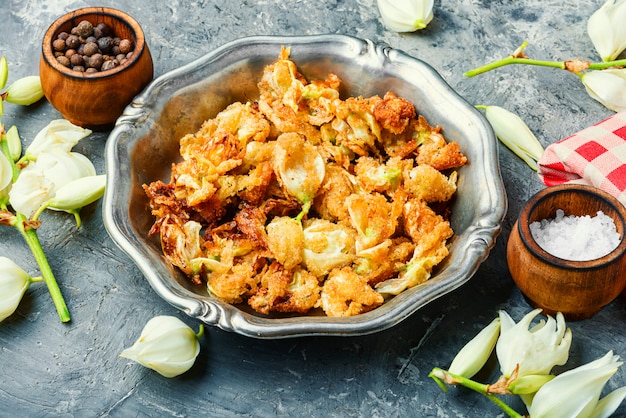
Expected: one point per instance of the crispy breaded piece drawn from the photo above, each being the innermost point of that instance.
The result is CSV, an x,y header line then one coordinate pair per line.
x,y
434,150
424,227
338,184
285,291
377,177
373,218
355,125
398,253
252,187
251,222
394,113
345,293
280,90
298,166
181,244
286,241
234,285
318,100
164,204
327,245
426,183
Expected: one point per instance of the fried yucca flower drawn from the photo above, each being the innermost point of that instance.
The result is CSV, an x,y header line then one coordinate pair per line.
x,y
345,293
305,201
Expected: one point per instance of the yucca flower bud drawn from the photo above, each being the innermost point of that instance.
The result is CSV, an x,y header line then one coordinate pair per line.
x,y
606,29
529,384
607,87
406,15
24,91
576,393
13,284
515,134
4,72
14,143
6,175
473,356
166,345
78,193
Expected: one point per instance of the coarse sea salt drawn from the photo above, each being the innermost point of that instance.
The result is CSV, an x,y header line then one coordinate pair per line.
x,y
576,238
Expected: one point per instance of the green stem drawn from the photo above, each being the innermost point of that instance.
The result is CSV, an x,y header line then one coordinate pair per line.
x,y
513,60
76,213
305,210
607,64
31,238
440,375
40,210
516,59
200,331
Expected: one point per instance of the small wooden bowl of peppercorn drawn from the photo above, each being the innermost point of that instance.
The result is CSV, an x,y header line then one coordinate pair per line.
x,y
94,61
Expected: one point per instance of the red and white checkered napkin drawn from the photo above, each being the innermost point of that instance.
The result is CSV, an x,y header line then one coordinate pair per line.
x,y
595,156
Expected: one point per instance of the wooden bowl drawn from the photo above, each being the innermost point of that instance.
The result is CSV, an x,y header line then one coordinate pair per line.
x,y
578,289
95,100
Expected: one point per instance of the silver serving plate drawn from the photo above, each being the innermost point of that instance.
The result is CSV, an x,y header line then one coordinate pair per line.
x,y
144,143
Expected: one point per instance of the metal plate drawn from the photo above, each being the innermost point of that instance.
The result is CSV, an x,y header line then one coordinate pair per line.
x,y
144,144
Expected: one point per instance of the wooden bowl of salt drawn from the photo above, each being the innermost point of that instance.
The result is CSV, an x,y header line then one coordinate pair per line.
x,y
566,250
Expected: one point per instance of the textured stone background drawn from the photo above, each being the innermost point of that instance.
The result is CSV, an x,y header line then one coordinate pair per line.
x,y
48,369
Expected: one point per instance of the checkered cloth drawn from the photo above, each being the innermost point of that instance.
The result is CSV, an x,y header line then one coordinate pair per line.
x,y
595,156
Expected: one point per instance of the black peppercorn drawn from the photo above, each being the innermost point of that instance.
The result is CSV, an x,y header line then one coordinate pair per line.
x,y
104,29
90,48
125,46
63,60
58,45
105,43
95,61
72,42
109,65
84,29
77,60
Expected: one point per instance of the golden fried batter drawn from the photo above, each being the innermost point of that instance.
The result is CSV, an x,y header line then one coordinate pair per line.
x,y
306,201
345,293
286,291
434,150
394,113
